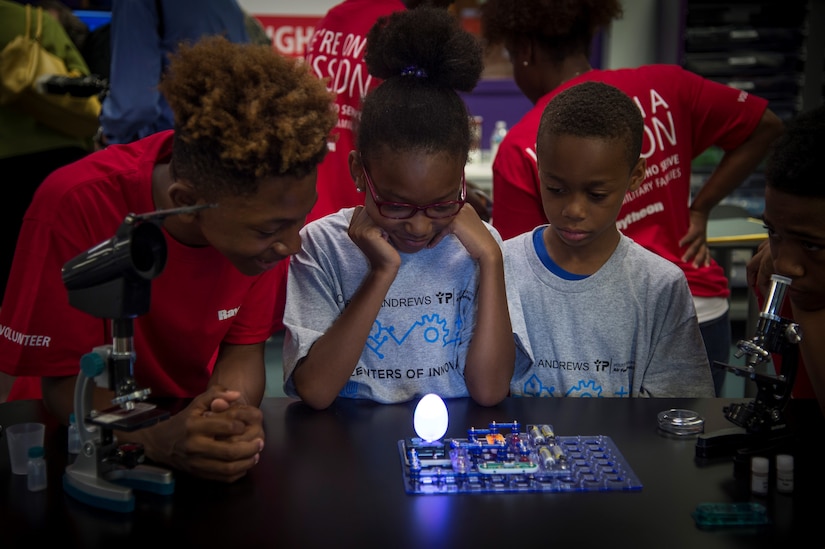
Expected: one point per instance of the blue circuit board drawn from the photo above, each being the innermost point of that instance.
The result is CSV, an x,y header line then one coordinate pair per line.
x,y
503,458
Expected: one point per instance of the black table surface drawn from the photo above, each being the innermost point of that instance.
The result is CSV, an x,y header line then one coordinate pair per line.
x,y
334,479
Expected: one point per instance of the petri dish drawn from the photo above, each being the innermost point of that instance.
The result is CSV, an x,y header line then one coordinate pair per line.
x,y
680,421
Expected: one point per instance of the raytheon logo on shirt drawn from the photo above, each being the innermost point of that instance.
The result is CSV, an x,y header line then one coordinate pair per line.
x,y
224,314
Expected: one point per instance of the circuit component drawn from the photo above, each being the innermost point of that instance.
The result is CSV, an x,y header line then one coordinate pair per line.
x,y
501,458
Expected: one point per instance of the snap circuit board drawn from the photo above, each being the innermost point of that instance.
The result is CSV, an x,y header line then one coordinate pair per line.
x,y
502,458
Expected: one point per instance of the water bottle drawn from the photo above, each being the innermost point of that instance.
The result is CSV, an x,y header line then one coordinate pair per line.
x,y
498,136
475,139
36,469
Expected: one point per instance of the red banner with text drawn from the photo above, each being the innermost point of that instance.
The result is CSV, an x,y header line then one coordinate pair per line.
x,y
290,34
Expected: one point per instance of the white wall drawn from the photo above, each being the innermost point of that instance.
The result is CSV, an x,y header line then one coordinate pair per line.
x,y
287,7
631,40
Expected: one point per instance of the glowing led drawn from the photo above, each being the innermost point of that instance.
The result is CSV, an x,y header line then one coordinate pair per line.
x,y
431,418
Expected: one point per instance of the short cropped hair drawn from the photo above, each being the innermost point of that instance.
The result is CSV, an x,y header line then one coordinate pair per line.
x,y
796,163
595,109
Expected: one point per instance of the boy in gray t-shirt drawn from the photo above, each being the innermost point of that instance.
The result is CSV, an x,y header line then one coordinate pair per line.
x,y
594,314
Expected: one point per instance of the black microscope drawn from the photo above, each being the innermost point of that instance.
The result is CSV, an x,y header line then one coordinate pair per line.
x,y
761,422
113,281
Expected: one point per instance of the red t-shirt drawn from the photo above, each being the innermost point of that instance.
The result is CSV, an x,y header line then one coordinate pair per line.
x,y
684,114
336,51
198,301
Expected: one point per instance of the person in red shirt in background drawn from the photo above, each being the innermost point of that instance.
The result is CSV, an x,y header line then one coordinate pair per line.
x,y
795,219
548,42
336,54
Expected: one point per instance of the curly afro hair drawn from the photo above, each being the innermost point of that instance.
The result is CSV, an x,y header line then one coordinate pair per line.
x,y
242,113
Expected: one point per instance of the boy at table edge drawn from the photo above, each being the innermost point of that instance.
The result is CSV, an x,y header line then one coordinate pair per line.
x,y
250,129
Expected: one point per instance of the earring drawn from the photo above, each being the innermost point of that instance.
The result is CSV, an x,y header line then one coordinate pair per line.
x,y
525,63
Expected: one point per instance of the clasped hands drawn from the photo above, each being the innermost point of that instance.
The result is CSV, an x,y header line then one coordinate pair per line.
x,y
217,437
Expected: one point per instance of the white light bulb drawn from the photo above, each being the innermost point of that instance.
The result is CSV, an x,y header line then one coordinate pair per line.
x,y
430,419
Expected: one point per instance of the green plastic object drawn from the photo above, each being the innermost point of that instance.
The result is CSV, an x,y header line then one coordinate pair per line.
x,y
730,515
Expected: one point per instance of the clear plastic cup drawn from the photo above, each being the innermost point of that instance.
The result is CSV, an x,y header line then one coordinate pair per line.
x,y
21,437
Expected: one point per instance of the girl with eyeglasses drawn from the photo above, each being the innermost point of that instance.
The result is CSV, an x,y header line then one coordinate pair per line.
x,y
404,295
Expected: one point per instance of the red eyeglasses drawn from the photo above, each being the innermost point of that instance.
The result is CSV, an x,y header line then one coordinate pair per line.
x,y
402,210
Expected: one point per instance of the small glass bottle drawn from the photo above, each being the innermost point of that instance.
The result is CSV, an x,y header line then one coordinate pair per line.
x,y
784,473
73,436
36,469
497,137
760,467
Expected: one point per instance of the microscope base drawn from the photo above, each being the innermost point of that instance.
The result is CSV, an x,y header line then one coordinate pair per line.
x,y
114,490
736,440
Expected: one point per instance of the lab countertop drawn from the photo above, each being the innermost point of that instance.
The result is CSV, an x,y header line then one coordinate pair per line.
x,y
333,478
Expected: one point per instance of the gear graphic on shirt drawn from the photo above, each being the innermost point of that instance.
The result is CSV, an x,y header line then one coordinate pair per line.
x,y
433,329
585,389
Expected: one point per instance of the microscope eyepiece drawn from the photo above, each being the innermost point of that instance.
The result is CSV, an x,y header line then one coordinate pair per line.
x,y
776,295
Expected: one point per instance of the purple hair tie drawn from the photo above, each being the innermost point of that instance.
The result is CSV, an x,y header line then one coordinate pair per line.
x,y
412,70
